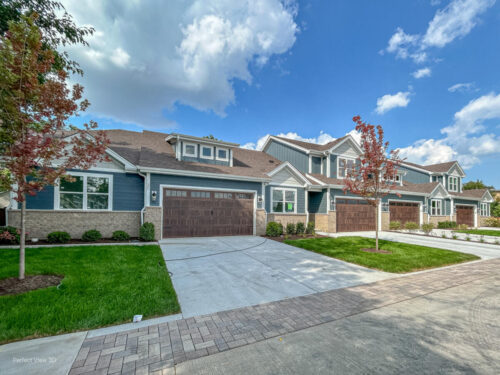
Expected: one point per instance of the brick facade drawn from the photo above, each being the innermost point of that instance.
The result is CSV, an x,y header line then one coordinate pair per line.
x,y
285,219
39,223
386,218
260,222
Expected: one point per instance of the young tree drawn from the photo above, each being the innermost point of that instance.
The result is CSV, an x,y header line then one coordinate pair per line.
x,y
374,177
35,103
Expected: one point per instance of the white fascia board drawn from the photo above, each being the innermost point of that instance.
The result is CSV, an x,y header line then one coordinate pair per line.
x,y
489,197
349,138
220,176
273,138
315,179
294,171
418,169
461,171
443,191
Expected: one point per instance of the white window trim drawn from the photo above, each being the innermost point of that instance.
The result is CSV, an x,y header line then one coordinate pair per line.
x,y
284,192
439,205
450,184
338,164
217,154
484,212
211,157
184,153
57,200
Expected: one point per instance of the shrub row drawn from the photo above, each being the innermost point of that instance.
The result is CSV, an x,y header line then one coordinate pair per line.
x,y
492,222
447,224
11,235
410,225
275,229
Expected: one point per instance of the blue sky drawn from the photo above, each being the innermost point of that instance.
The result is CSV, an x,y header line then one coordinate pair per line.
x,y
427,71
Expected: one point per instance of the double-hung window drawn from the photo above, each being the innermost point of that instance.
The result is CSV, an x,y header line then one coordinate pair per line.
x,y
345,166
452,183
207,152
436,207
284,200
222,154
484,209
85,192
190,149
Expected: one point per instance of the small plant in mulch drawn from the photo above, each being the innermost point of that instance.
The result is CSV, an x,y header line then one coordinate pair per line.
x,y
13,285
454,236
379,251
443,235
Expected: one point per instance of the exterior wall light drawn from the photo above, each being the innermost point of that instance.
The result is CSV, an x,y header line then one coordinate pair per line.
x,y
154,194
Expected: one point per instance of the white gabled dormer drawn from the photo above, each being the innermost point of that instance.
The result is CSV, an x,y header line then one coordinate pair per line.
x,y
343,155
201,150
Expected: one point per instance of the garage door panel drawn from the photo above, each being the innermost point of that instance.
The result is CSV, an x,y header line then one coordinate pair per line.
x,y
404,212
465,215
354,215
206,213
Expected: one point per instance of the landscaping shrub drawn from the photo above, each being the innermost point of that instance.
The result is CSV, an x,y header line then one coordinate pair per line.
x,y
300,228
427,228
310,228
274,229
394,225
462,227
147,232
58,237
447,224
92,235
492,222
9,235
290,228
120,235
411,225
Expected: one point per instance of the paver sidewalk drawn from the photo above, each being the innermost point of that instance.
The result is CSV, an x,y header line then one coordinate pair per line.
x,y
156,348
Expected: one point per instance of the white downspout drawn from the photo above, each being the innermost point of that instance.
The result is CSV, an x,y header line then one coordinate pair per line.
x,y
307,205
146,193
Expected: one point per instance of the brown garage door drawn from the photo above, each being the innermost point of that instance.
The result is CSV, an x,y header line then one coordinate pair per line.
x,y
198,213
465,215
354,215
404,212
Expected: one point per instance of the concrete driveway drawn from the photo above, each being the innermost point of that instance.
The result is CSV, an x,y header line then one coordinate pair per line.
x,y
222,273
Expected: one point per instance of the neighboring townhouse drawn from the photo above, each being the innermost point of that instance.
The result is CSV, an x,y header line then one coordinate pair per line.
x,y
191,186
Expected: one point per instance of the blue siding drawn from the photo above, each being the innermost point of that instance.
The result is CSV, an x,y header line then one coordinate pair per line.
x,y
414,177
316,165
467,202
128,193
301,198
43,200
159,179
298,159
318,202
394,197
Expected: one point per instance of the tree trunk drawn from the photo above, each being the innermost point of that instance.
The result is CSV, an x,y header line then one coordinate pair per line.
x,y
22,242
376,224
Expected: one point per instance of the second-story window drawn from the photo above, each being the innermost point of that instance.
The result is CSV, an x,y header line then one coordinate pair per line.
x,y
345,166
222,154
207,152
190,149
453,183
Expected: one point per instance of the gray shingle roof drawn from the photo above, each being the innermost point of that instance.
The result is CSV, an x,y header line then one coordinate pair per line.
x,y
313,146
149,149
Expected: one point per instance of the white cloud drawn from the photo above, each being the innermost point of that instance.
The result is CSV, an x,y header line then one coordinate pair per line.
x,y
471,135
454,21
421,73
387,102
169,53
461,87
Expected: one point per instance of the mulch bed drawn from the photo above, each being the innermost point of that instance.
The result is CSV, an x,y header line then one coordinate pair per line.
x,y
13,285
379,251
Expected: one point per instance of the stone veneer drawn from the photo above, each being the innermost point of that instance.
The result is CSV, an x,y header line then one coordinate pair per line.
x,y
437,219
261,224
152,214
386,218
285,219
325,222
39,223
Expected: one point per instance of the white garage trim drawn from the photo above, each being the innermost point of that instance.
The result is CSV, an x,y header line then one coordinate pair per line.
x,y
254,192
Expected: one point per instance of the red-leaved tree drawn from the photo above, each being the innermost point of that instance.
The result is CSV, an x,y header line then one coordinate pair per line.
x,y
36,145
374,177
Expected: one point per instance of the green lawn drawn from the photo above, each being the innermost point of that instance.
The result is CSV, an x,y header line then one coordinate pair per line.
x,y
403,257
102,285
480,232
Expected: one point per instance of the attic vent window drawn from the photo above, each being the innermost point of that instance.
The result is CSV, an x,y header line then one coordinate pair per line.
x,y
222,154
190,149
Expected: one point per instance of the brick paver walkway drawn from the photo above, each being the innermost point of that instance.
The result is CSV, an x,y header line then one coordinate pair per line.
x,y
157,347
